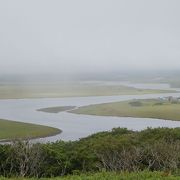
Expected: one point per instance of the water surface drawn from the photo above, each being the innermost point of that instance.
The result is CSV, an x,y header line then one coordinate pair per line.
x,y
76,126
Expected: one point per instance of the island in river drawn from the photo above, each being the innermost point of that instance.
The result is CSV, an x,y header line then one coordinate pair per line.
x,y
161,108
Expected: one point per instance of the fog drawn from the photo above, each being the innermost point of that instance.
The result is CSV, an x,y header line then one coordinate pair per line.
x,y
78,36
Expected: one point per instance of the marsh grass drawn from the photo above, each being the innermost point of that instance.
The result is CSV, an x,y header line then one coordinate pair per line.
x,y
10,130
20,91
152,108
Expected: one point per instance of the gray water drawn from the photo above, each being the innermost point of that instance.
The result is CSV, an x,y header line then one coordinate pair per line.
x,y
76,126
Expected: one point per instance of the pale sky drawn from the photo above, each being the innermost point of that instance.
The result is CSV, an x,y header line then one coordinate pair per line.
x,y
88,35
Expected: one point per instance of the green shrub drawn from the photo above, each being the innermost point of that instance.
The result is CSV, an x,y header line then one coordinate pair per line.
x,y
136,103
118,150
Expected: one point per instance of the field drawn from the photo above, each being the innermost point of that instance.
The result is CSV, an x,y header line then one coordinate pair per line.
x,y
15,91
153,108
56,109
10,130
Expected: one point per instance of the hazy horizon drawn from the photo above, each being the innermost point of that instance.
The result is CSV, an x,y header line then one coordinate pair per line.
x,y
73,37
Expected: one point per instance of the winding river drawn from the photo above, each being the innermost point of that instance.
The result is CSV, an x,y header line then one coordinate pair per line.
x,y
76,126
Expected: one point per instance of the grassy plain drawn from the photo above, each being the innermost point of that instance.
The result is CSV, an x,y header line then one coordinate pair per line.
x,y
152,108
19,91
10,130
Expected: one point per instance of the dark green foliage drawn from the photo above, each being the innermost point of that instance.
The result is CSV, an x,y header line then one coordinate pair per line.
x,y
118,150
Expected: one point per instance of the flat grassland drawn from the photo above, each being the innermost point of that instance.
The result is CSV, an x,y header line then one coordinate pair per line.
x,y
10,130
20,91
152,108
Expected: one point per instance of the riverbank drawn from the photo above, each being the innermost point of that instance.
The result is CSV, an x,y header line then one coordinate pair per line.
x,y
56,109
11,130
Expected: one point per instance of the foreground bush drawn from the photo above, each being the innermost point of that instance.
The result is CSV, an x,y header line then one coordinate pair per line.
x,y
119,150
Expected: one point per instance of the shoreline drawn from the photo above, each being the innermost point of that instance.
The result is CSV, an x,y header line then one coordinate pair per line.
x,y
55,131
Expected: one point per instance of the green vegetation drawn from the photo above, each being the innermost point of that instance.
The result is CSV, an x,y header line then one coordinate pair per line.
x,y
10,130
110,176
123,176
119,153
149,108
14,91
56,109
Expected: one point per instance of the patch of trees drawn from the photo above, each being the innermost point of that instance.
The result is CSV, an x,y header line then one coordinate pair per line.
x,y
118,150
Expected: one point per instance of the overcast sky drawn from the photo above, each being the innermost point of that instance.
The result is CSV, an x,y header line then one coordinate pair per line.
x,y
88,35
